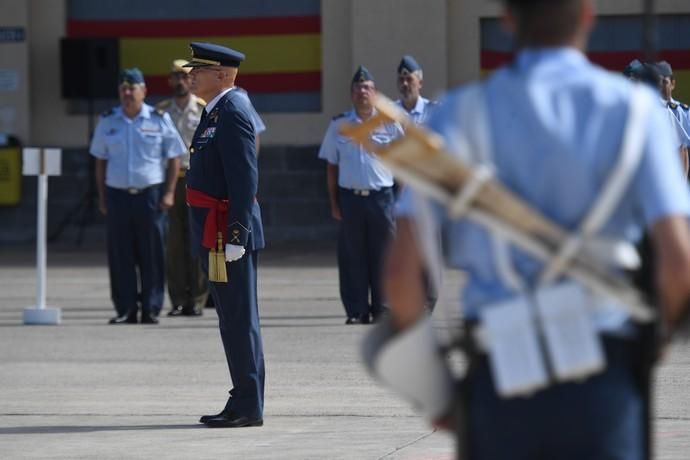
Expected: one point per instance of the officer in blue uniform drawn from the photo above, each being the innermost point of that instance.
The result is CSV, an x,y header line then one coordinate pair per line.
x,y
360,190
556,123
137,150
222,183
668,85
657,76
410,82
679,111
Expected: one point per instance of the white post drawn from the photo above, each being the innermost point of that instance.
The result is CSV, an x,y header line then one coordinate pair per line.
x,y
35,162
41,258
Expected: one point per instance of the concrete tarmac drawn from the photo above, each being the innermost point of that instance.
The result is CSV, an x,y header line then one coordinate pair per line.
x,y
85,389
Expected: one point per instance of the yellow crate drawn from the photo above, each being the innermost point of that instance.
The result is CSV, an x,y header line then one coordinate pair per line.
x,y
10,176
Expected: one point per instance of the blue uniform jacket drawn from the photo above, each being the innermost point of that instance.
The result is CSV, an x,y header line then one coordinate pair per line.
x,y
223,164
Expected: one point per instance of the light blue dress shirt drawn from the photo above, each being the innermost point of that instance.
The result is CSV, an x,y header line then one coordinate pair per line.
x,y
421,111
357,168
137,150
683,117
556,128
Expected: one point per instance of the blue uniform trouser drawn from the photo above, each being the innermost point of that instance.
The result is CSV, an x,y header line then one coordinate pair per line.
x,y
238,319
136,249
366,228
599,419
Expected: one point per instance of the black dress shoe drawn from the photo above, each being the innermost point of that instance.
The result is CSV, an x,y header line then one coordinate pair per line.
x,y
206,418
148,319
130,318
231,420
176,310
192,311
351,321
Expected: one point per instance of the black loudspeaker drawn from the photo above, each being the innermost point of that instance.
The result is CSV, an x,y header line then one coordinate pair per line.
x,y
89,68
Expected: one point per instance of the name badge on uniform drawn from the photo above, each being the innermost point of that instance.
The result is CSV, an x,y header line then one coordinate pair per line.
x,y
381,138
150,127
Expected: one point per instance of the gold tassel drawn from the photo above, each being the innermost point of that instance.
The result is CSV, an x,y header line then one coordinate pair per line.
x,y
216,263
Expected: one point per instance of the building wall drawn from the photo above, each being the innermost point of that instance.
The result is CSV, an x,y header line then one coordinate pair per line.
x,y
444,35
14,70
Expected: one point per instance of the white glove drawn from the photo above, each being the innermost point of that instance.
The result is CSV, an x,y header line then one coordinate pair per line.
x,y
233,252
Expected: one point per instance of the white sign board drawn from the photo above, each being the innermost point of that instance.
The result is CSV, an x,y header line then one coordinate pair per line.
x,y
42,161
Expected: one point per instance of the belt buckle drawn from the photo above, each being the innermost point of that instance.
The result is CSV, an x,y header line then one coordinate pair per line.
x,y
133,191
362,192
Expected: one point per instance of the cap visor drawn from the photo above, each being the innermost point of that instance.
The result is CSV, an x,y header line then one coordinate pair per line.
x,y
197,64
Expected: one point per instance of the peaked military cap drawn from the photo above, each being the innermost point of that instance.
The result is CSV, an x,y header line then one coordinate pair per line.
x,y
649,73
178,66
633,68
207,54
664,69
408,64
132,76
362,74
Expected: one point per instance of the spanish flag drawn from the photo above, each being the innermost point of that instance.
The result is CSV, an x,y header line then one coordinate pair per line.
x,y
282,42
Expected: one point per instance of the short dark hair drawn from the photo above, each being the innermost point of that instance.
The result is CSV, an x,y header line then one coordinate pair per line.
x,y
545,22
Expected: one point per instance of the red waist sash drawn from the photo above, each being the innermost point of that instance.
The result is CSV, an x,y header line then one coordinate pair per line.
x,y
216,219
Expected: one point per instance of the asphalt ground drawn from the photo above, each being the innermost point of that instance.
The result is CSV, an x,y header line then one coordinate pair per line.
x,y
85,389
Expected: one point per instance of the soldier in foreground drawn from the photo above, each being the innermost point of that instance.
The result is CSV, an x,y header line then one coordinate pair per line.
x,y
554,128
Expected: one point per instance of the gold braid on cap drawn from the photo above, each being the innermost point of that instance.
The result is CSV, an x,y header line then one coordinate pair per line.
x,y
205,61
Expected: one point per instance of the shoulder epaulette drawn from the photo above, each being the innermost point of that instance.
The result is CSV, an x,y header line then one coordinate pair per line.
x,y
339,116
685,107
240,89
157,111
163,105
200,102
109,112
672,105
433,102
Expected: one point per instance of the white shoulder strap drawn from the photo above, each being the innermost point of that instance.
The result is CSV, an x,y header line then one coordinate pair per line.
x,y
612,191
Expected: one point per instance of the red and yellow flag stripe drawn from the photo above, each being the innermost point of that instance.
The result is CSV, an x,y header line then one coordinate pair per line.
x,y
283,53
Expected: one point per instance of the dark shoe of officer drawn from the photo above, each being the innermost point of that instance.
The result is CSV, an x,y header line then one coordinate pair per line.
x,y
231,420
351,321
129,318
176,310
206,418
192,311
226,410
148,318
364,319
